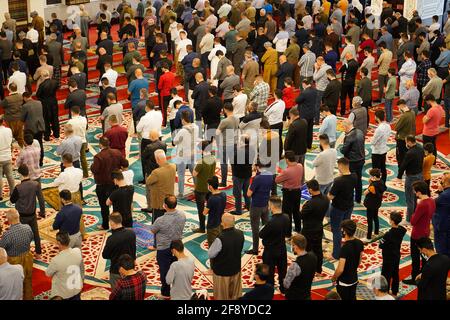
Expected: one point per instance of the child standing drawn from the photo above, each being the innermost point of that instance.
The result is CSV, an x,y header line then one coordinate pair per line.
x,y
172,111
428,161
372,201
128,175
288,96
390,246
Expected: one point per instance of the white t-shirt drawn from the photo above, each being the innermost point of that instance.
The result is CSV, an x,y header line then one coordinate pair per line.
x,y
239,103
128,176
6,139
182,47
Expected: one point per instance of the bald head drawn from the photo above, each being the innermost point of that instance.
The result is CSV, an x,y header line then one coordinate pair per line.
x,y
348,56
282,59
154,135
3,256
12,216
227,220
348,125
160,157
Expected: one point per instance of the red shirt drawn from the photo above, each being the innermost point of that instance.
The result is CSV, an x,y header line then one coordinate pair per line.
x,y
421,218
434,115
289,97
117,136
365,43
166,82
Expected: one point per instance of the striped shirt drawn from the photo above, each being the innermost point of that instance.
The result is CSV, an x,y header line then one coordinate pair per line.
x,y
30,156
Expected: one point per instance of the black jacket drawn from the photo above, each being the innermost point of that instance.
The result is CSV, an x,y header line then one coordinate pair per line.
x,y
306,103
76,98
332,94
260,292
286,70
122,241
148,155
102,99
313,212
258,45
200,95
432,285
47,94
353,148
211,111
296,137
349,71
413,162
275,231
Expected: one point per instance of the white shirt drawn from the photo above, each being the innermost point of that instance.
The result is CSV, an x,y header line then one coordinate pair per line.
x,y
281,41
173,111
79,127
207,43
152,120
182,48
224,10
307,22
112,76
69,179
274,112
186,141
128,176
20,79
258,4
6,139
173,28
216,48
200,6
239,103
211,21
33,35
222,29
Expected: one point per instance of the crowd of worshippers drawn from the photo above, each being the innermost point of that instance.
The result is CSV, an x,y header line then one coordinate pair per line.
x,y
249,70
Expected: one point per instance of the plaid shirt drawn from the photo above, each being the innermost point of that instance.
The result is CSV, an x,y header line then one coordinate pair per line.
x,y
17,239
422,72
260,95
130,288
30,156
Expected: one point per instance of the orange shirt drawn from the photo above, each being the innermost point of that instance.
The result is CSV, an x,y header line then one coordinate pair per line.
x,y
343,4
427,164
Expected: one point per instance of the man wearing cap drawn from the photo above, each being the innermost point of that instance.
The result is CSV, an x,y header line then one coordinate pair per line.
x,y
38,24
270,60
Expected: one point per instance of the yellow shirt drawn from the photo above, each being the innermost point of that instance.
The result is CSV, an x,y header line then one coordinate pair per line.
x,y
343,4
326,5
427,164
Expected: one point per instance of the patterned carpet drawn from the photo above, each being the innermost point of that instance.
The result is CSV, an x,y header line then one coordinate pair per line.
x,y
97,269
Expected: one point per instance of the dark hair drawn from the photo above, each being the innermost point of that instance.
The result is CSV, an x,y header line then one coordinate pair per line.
x,y
63,238
324,137
27,95
23,170
262,270
344,161
65,195
186,116
294,112
425,243
364,71
170,201
380,114
115,217
411,138
275,200
428,147
426,53
219,53
28,138
117,175
279,93
382,45
104,141
299,241
228,107
289,155
396,217
349,227
313,185
214,182
126,261
429,97
75,109
420,186
177,245
173,91
391,71
324,108
67,157
375,172
212,90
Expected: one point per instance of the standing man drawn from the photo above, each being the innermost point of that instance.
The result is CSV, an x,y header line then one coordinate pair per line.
x,y
384,63
225,257
324,164
6,167
47,95
411,165
105,162
121,199
306,105
167,228
441,217
33,119
312,215
12,106
349,70
273,236
291,179
66,284
332,92
432,121
321,79
406,125
122,241
296,136
379,144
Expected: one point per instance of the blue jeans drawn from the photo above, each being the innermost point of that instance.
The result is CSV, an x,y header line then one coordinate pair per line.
x,y
447,111
388,109
409,194
181,170
240,185
336,217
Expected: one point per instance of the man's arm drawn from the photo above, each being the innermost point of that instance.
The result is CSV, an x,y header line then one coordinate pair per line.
x,y
293,271
215,249
339,270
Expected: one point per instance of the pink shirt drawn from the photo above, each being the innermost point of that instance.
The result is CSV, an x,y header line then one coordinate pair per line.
x,y
291,177
434,115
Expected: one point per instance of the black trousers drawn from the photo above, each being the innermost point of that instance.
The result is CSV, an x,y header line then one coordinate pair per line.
x,y
140,20
400,151
379,162
314,244
432,140
5,66
165,104
103,191
309,134
51,121
291,206
279,127
200,198
356,167
276,257
372,218
348,90
144,143
32,222
347,293
157,213
390,270
420,102
38,137
164,259
415,259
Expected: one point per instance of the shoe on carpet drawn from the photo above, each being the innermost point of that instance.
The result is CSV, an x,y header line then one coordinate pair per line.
x,y
251,252
235,213
146,210
198,230
410,282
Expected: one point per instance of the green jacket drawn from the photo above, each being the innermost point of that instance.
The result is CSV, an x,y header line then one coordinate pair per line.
x,y
406,125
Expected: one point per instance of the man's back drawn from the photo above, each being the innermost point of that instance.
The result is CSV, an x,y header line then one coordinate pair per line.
x,y
105,162
122,241
11,282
